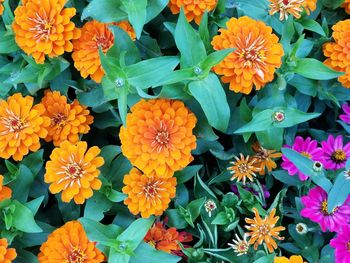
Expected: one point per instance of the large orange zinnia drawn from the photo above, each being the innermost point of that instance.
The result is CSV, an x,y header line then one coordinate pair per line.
x,y
337,52
194,9
256,57
158,136
68,121
43,27
148,195
6,254
95,35
21,126
69,244
73,170
5,192
1,7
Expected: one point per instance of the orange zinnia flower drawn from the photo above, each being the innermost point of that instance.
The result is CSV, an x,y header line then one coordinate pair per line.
x,y
243,168
148,195
158,136
310,6
193,9
68,121
337,51
70,244
1,7
264,230
286,7
256,57
264,158
86,49
292,259
6,254
43,27
166,239
21,126
73,171
5,192
346,6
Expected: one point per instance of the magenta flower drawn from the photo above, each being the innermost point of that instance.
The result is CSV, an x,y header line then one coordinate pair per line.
x,y
346,116
341,243
334,153
306,147
315,208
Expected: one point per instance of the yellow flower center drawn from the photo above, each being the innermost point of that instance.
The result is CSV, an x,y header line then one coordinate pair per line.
x,y
348,246
324,208
42,26
59,119
76,256
243,168
306,154
264,230
338,156
13,123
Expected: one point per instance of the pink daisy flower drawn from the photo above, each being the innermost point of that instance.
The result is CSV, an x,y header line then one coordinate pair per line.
x,y
315,208
341,243
346,116
306,147
335,153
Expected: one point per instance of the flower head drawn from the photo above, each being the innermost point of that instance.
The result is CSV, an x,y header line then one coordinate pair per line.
x,y
70,244
21,126
68,121
158,136
264,230
264,158
341,244
209,206
345,5
193,9
346,116
292,259
166,239
148,195
256,57
243,168
316,209
5,192
286,8
335,153
7,255
44,27
337,51
240,246
306,147
95,35
1,7
73,170
310,6
301,228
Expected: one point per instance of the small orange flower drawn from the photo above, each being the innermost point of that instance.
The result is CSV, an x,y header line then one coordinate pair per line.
x,y
345,5
1,7
69,244
21,126
292,259
264,158
86,49
310,6
243,168
166,239
286,7
158,136
5,192
264,230
73,170
68,121
148,195
256,57
193,9
6,254
337,51
43,27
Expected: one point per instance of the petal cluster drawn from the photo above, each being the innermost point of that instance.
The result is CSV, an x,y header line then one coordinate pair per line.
x,y
158,136
44,27
68,120
95,35
73,170
1,7
5,192
341,244
193,9
148,195
21,126
346,6
7,255
70,244
292,259
256,57
335,153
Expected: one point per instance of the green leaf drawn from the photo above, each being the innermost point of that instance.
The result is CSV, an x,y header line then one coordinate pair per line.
x,y
136,10
215,58
21,186
24,256
189,43
339,192
145,253
154,7
313,69
99,232
212,98
34,205
116,196
187,173
176,219
96,206
220,219
7,43
265,259
284,177
104,11
194,208
312,25
23,219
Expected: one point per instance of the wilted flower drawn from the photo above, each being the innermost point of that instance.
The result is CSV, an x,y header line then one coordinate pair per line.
x,y
240,246
193,9
256,57
44,27
70,244
243,168
264,230
292,259
264,158
316,209
301,228
209,206
341,244
335,153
